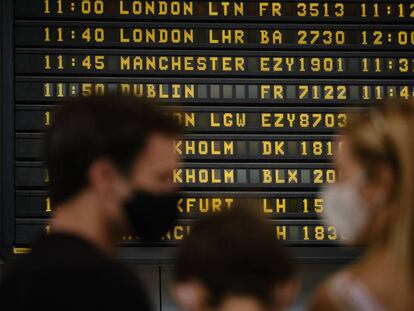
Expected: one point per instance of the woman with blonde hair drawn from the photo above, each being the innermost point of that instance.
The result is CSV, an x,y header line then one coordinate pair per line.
x,y
373,204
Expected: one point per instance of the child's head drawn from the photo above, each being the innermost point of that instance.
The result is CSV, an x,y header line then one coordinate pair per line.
x,y
232,261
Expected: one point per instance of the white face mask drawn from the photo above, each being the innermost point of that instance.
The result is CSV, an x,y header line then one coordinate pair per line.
x,y
344,209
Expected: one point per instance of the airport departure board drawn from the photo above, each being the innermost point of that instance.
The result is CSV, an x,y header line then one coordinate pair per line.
x,y
261,87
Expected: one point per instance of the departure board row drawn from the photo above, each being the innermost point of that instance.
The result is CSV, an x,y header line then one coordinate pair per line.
x,y
215,63
223,147
277,92
213,36
218,175
38,204
230,120
272,11
292,232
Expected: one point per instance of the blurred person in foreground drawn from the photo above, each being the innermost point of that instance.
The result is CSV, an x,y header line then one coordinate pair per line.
x,y
232,261
109,161
373,204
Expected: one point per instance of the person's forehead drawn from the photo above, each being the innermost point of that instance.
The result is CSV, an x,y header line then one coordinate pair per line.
x,y
159,148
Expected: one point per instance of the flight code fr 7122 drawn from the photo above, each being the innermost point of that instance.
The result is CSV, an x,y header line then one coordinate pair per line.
x,y
225,91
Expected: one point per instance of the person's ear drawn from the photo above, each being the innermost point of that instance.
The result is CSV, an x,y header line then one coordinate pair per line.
x,y
285,294
190,296
381,187
102,176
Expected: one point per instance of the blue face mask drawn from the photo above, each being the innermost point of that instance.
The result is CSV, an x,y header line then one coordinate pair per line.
x,y
151,215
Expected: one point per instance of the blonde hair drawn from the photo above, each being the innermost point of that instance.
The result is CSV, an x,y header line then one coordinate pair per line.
x,y
385,137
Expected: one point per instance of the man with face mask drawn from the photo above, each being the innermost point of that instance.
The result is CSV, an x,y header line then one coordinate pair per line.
x,y
109,161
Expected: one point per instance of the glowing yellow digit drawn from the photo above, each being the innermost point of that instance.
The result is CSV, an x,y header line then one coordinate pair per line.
x,y
315,92
87,62
319,233
364,10
48,205
47,62
328,92
325,10
329,151
314,9
304,120
317,148
378,37
365,92
342,119
86,7
316,34
330,176
301,9
306,233
401,10
378,91
332,235
340,64
403,64
339,9
305,206
315,64
59,5
364,37
318,204
86,89
302,37
47,90
377,62
47,118
376,10
60,90
100,89
99,7
47,7
60,62
341,89
47,34
365,63
318,176
304,148
100,62
86,35
405,93
60,34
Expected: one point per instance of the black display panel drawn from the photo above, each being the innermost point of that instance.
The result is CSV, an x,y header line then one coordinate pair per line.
x,y
262,87
214,63
213,36
255,10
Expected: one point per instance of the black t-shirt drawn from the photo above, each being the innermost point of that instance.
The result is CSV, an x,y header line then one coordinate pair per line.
x,y
65,272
